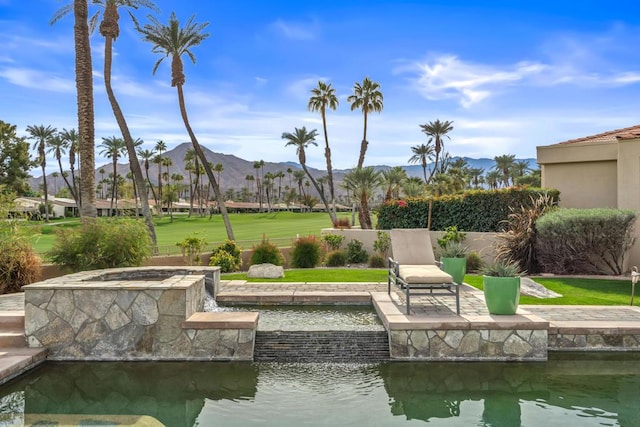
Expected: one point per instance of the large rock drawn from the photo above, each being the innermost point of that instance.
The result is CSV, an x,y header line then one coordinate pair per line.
x,y
265,271
535,289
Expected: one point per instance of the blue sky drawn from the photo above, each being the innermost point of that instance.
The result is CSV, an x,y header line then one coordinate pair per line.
x,y
511,75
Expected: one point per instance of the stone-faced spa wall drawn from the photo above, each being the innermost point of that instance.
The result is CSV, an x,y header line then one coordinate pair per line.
x,y
128,314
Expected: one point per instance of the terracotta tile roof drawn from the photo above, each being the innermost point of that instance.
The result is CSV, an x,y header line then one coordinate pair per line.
x,y
610,136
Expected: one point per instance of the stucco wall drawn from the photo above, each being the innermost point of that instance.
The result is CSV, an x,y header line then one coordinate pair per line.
x,y
583,185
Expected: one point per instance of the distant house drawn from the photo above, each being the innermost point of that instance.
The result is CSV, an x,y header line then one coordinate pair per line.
x,y
28,206
596,171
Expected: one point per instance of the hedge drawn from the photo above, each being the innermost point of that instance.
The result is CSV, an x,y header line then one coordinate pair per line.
x,y
474,210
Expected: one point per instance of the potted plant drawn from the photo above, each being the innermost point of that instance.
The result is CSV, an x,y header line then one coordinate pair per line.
x,y
453,257
501,282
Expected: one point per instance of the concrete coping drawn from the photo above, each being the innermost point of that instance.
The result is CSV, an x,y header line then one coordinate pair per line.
x,y
222,320
173,282
620,327
296,297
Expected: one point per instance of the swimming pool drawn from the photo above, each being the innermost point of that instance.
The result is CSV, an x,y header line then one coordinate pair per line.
x,y
568,390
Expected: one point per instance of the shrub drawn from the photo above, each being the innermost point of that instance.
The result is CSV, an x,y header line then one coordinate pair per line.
x,y
335,259
306,252
474,262
517,243
342,222
382,244
473,210
332,242
453,250
192,247
225,261
106,243
451,234
502,268
377,261
231,248
19,265
266,252
584,241
355,253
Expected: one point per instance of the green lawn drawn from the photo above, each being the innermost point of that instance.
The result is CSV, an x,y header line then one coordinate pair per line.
x,y
248,228
575,291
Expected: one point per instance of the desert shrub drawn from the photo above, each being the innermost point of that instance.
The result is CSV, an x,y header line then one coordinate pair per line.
x,y
474,262
231,248
306,252
266,252
191,247
106,243
355,253
335,259
473,210
19,265
382,244
451,234
342,222
332,242
517,243
225,261
584,241
377,261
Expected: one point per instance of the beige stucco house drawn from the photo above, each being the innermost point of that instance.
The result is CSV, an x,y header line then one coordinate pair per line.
x,y
596,171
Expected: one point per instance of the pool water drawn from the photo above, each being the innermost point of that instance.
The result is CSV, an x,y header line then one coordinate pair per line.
x,y
570,390
313,317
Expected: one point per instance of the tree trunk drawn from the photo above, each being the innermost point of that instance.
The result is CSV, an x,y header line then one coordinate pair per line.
x,y
327,155
46,194
364,143
66,181
205,164
134,164
317,187
363,215
86,130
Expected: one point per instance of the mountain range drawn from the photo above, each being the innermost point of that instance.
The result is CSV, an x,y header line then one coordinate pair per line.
x,y
236,169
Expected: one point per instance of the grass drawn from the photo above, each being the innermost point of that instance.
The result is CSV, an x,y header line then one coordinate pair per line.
x,y
575,291
248,228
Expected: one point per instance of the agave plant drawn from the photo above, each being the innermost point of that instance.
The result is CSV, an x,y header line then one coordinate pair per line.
x,y
502,269
453,250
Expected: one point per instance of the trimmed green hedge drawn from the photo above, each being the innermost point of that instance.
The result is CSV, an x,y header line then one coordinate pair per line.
x,y
475,210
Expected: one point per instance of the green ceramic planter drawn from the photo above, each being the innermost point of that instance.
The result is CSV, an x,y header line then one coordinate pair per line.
x,y
502,294
456,267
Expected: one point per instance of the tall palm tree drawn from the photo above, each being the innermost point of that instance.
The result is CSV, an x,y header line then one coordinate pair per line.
x,y
256,166
175,41
522,167
57,146
112,148
299,176
72,142
147,155
493,178
301,139
363,182
323,97
250,179
392,180
368,98
422,154
436,131
218,168
475,174
504,164
42,134
84,89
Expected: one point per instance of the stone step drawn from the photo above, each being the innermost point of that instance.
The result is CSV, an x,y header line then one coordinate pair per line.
x,y
321,346
12,338
15,361
12,319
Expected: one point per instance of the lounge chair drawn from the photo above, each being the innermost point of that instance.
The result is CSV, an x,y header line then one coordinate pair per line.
x,y
413,267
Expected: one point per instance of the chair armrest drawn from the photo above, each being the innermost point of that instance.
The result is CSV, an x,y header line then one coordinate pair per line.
x,y
395,266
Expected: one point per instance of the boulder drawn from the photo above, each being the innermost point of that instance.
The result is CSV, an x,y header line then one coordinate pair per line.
x,y
534,289
265,271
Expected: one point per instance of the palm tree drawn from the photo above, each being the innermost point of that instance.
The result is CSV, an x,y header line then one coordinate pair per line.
x,y
422,154
475,174
413,187
72,142
493,178
112,148
42,134
256,166
218,168
147,155
436,131
172,40
504,164
521,167
301,139
363,182
368,98
392,180
279,175
323,97
57,146
299,176
84,89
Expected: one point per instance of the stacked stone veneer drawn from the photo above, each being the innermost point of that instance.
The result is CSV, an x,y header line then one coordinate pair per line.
x,y
465,338
594,339
130,314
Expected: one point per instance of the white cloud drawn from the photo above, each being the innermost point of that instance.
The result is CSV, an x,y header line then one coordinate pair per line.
x,y
36,79
296,30
300,89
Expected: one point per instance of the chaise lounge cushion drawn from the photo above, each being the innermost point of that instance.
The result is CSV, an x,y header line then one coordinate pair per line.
x,y
424,274
412,246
